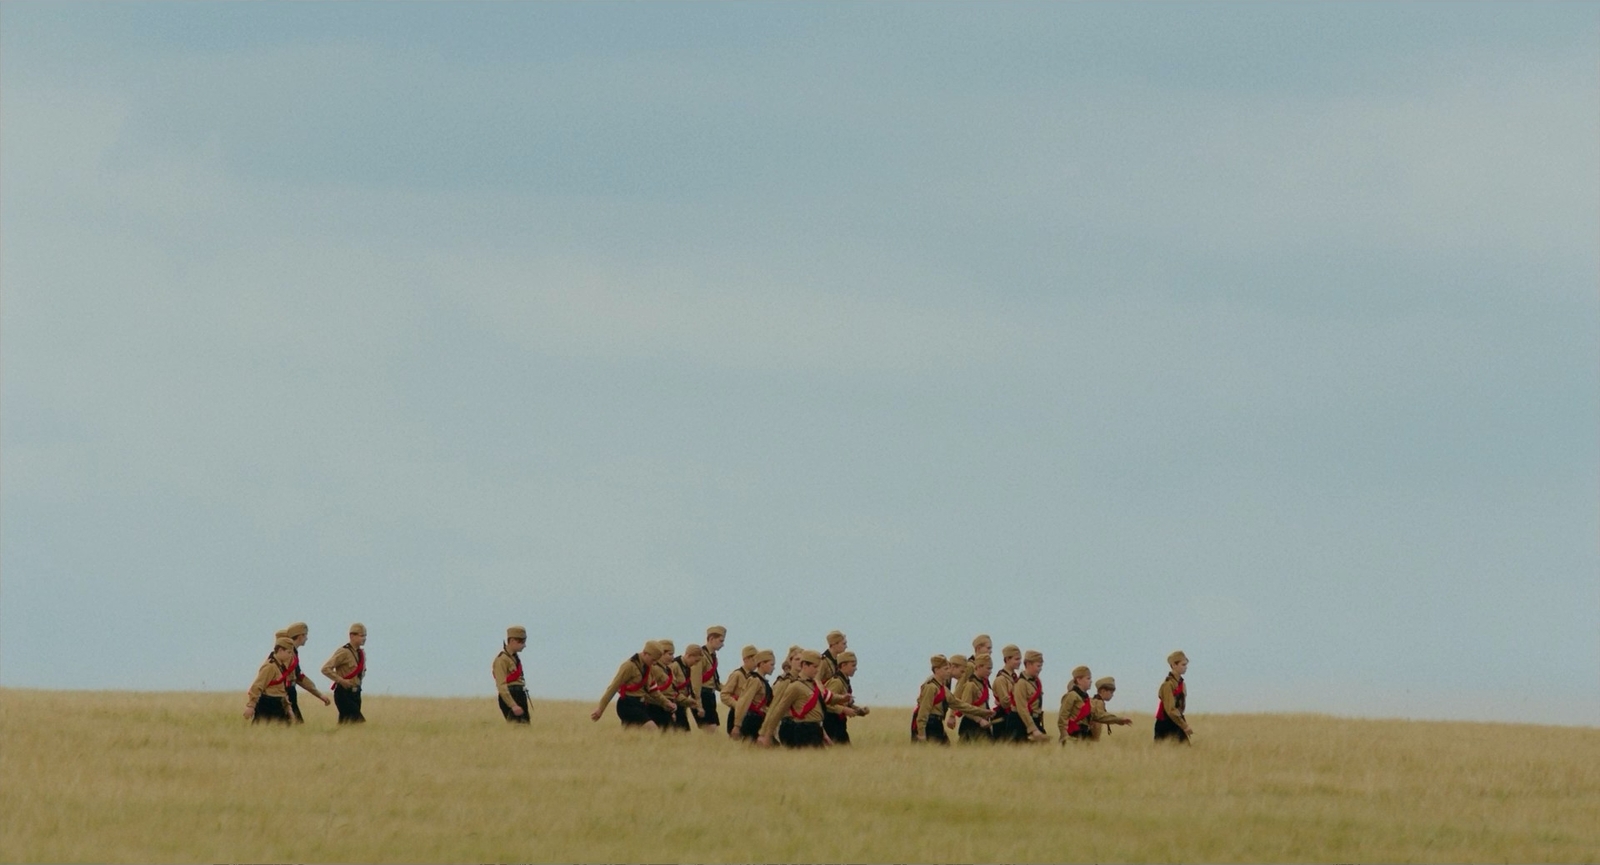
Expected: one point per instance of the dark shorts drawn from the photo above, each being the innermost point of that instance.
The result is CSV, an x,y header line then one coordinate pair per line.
x,y
837,728
751,728
972,731
1165,729
802,734
294,704
348,703
520,697
631,712
271,710
662,717
934,729
680,718
708,709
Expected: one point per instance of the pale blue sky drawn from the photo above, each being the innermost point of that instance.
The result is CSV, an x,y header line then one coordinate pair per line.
x,y
1270,332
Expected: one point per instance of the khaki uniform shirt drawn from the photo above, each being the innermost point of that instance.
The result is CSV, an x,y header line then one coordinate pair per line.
x,y
660,691
1023,694
930,704
732,688
508,666
973,691
704,675
342,666
839,683
298,678
1100,718
630,674
1169,701
271,680
828,667
793,698
1003,682
753,689
684,690
1071,703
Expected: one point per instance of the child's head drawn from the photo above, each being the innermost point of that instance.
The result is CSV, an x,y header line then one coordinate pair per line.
x,y
1011,657
358,635
1178,661
716,635
1105,689
847,663
765,661
1032,662
283,650
1081,678
982,665
982,645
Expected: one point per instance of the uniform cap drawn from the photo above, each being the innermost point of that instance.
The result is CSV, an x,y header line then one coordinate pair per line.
x,y
1010,652
1177,657
846,657
297,629
280,634
716,631
692,650
651,647
981,639
959,660
748,652
282,643
764,656
835,637
516,632
983,660
358,628
667,646
1106,683
795,650
1079,671
938,661
1032,655
810,657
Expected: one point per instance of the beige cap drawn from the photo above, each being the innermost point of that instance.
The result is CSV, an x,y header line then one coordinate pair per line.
x,y
1080,671
810,657
1177,657
748,652
981,639
358,628
716,631
297,629
983,660
1032,655
846,657
516,632
668,646
1010,652
765,655
691,651
835,637
278,635
959,660
651,647
1106,683
795,650
938,661
282,643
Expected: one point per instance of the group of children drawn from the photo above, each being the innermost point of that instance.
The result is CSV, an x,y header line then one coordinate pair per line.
x,y
811,702
274,695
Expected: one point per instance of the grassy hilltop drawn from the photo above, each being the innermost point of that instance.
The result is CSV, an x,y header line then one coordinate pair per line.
x,y
181,777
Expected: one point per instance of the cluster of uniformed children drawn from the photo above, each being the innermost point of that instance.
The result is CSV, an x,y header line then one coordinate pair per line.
x,y
811,702
274,695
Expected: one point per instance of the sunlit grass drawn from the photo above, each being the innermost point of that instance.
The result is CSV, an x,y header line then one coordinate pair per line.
x,y
181,777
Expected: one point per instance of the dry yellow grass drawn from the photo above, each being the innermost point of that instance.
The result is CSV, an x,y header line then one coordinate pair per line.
x,y
181,777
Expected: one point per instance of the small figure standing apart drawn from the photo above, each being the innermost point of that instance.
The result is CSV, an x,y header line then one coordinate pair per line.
x,y
974,689
1007,727
755,695
799,708
708,679
631,686
835,723
267,700
1027,701
348,668
1104,690
1170,723
732,688
508,678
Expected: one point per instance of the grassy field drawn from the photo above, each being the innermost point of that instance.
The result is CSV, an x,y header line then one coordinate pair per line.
x,y
115,777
